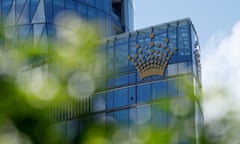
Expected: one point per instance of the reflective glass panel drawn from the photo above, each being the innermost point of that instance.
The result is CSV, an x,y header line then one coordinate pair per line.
x,y
172,88
159,90
143,93
99,102
120,97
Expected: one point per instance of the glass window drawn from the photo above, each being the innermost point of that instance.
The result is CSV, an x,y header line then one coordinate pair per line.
x,y
185,86
132,95
99,118
109,118
92,13
58,6
172,88
72,130
143,93
184,46
71,5
159,90
184,67
132,117
101,23
100,83
159,116
99,102
100,64
121,80
7,11
110,58
49,11
143,115
172,113
91,2
100,4
186,108
107,5
172,36
172,69
109,99
109,25
132,52
82,10
23,32
110,83
121,97
132,78
121,60
6,6
122,117
25,11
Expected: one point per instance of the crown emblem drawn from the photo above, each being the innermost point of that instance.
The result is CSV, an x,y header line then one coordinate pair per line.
x,y
152,59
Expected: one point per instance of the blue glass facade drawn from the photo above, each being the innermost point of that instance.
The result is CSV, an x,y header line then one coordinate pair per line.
x,y
158,102
35,19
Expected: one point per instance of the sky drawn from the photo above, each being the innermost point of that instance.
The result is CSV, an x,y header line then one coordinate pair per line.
x,y
218,26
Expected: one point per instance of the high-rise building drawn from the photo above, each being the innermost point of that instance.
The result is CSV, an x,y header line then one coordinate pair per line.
x,y
150,79
35,19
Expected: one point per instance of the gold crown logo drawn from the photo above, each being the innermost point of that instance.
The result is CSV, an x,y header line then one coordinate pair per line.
x,y
153,59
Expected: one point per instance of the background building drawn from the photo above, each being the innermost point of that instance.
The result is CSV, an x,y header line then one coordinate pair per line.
x,y
35,19
151,78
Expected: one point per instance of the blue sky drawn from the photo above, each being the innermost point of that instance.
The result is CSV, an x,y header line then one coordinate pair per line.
x,y
218,26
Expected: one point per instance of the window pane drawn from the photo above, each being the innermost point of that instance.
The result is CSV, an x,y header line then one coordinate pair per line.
x,y
172,69
184,47
143,115
172,88
92,13
183,68
71,5
121,80
49,11
100,4
121,61
122,117
121,97
159,116
91,2
99,102
132,78
99,118
110,82
132,95
144,93
82,10
110,58
109,99
107,5
159,90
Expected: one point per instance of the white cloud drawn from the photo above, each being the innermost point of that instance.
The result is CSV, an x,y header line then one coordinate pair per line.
x,y
221,73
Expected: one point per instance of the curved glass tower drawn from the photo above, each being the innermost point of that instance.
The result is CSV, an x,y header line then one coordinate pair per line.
x,y
35,19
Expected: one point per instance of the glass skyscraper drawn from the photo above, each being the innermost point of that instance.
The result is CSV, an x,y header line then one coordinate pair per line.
x,y
150,79
153,79
35,19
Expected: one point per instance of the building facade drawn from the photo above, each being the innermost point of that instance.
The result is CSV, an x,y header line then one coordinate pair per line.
x,y
36,19
150,79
